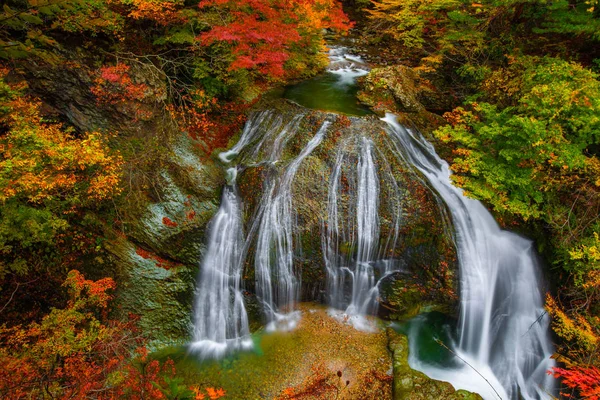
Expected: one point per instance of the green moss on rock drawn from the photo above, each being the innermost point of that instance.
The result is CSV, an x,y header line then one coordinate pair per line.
x,y
401,90
410,384
157,290
165,232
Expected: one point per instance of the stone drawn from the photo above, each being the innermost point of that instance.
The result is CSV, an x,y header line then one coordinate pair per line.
x,y
401,90
410,384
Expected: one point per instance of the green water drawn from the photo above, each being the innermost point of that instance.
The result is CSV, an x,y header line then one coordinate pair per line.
x,y
283,359
326,93
251,374
424,331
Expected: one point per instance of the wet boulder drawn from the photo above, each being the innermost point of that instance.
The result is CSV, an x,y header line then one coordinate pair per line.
x,y
410,384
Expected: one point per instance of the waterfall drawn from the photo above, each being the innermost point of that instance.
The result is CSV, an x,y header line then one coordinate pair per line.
x,y
277,284
221,322
220,317
251,129
353,254
345,66
503,348
367,215
363,234
503,333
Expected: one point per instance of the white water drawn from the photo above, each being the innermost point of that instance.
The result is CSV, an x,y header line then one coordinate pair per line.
x,y
277,284
221,322
345,66
220,317
352,248
503,332
251,129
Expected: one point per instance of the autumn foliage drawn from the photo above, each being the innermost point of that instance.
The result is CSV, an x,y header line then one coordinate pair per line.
x,y
50,180
77,352
44,161
163,12
114,85
70,353
262,32
586,380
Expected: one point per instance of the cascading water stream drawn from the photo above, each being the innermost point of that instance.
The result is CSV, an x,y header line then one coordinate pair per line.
x,y
250,131
367,214
220,317
221,321
355,274
277,284
503,333
345,66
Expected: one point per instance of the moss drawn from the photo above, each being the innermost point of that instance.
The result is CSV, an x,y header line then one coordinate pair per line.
x,y
309,193
410,384
296,361
168,223
401,90
161,297
250,183
405,297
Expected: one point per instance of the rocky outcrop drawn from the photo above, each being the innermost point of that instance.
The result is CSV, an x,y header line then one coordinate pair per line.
x,y
410,384
402,90
158,257
423,249
172,190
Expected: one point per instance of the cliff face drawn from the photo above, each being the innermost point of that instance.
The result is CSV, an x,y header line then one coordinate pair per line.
x,y
171,190
402,90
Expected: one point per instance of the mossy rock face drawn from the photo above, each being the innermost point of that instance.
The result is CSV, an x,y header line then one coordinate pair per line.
x,y
410,384
403,296
414,229
401,90
158,259
65,89
173,221
398,84
158,291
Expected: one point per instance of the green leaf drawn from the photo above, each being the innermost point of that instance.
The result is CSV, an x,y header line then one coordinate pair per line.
x,y
31,19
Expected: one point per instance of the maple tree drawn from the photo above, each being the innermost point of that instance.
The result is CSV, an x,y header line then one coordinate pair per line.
x,y
115,85
585,379
520,157
77,352
163,12
70,352
261,32
48,179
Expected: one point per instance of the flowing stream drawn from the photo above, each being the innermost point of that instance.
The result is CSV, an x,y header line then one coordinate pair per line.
x,y
277,284
221,321
502,348
354,252
503,332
